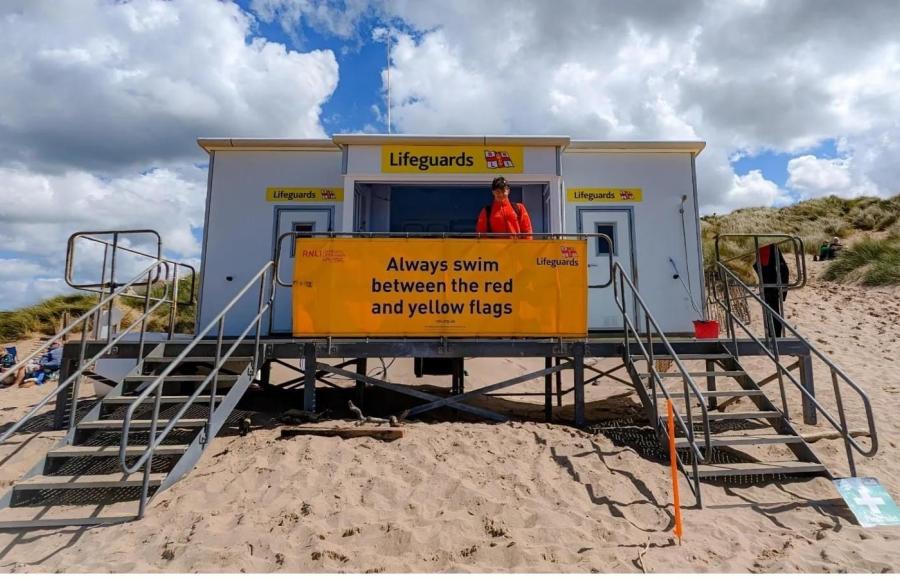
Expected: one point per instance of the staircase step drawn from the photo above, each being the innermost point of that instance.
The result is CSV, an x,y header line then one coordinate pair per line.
x,y
716,356
67,515
761,468
165,400
720,415
737,393
44,482
734,415
735,440
697,374
138,423
112,451
180,378
194,359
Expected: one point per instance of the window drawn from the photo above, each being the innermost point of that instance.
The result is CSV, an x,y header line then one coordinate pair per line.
x,y
301,227
602,244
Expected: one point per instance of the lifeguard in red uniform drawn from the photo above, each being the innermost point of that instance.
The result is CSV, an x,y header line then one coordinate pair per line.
x,y
503,216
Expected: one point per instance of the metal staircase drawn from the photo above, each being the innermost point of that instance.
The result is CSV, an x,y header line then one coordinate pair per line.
x,y
81,480
714,442
763,427
151,428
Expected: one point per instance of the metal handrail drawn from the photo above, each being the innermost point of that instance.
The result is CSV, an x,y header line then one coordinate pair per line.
x,y
279,243
70,254
836,372
110,251
145,459
82,366
688,381
103,284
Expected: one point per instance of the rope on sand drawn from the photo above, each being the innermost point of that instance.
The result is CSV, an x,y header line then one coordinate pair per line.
x,y
640,557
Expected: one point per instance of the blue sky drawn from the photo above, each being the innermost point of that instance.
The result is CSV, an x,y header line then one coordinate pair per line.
x,y
361,61
774,165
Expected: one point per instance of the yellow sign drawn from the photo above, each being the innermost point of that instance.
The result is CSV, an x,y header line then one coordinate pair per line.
x,y
439,287
604,194
452,159
304,194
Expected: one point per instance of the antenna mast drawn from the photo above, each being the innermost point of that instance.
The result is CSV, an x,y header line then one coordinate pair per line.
x,y
389,81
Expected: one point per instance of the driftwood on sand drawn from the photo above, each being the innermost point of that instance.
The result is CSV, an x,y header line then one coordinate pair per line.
x,y
382,433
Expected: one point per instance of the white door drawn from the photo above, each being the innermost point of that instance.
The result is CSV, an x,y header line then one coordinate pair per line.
x,y
603,314
300,221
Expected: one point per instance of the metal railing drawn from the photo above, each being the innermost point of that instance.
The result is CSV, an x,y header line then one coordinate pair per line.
x,y
75,378
770,348
778,241
715,288
265,279
622,283
110,250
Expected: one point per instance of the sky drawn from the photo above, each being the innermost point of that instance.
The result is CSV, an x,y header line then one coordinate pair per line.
x,y
103,100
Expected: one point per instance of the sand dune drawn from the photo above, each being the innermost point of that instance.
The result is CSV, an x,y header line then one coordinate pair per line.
x,y
522,496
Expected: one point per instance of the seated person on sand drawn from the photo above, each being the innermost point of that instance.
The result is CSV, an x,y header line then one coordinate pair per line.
x,y
52,359
823,251
31,372
834,247
7,361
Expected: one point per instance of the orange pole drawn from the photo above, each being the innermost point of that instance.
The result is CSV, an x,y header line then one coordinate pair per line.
x,y
675,500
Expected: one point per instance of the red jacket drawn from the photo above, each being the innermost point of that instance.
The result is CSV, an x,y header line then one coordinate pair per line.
x,y
503,220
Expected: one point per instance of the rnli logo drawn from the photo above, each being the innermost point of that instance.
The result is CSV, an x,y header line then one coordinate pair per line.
x,y
327,255
328,194
498,159
568,252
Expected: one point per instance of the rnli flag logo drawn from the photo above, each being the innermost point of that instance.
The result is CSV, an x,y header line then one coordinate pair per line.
x,y
569,252
626,195
498,160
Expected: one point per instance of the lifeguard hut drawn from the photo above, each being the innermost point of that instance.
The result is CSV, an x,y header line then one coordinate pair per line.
x,y
623,215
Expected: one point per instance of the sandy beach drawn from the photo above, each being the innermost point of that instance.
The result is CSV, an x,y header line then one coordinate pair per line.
x,y
522,496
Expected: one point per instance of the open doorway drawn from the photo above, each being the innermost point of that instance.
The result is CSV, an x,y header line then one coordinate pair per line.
x,y
436,208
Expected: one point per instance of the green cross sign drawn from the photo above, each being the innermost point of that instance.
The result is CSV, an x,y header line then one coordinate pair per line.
x,y
869,502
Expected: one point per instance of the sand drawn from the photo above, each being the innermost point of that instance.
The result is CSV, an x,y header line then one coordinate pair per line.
x,y
521,496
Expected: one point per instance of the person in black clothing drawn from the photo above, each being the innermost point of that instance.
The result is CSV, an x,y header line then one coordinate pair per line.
x,y
772,269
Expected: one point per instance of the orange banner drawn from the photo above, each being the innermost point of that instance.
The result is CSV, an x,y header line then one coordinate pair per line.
x,y
439,287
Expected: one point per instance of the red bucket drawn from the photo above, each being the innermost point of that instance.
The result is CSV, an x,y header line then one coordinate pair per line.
x,y
706,329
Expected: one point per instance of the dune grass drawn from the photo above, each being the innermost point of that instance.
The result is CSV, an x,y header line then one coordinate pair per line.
x,y
868,262
813,221
46,317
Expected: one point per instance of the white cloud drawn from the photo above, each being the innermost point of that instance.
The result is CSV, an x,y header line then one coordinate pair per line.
x,y
815,177
41,210
101,106
339,17
30,290
15,269
103,85
745,77
750,190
